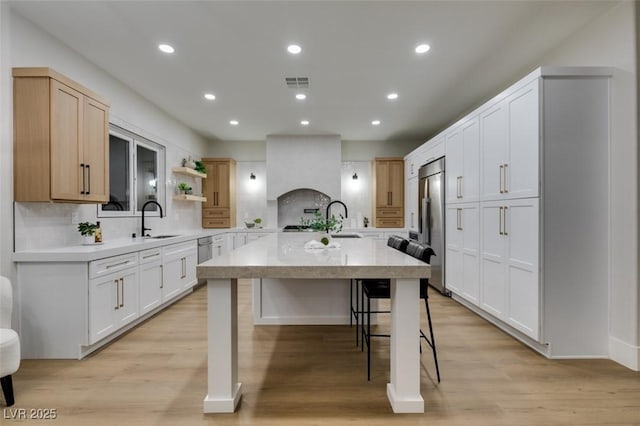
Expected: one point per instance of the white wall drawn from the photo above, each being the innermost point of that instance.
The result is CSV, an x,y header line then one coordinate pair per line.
x,y
6,150
610,40
25,45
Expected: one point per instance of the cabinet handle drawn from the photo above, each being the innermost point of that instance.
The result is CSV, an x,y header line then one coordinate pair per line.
x,y
121,292
500,221
459,187
117,264
151,255
183,268
459,219
88,167
504,221
117,295
501,173
412,219
161,276
83,178
506,180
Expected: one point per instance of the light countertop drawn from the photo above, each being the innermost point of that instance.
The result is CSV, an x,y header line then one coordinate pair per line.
x,y
282,255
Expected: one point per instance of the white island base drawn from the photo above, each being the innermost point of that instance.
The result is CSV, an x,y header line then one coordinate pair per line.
x,y
279,257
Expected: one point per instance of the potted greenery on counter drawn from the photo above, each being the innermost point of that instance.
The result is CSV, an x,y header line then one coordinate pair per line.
x,y
87,230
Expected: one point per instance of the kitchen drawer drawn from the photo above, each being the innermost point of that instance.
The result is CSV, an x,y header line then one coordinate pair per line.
x,y
389,222
151,255
389,211
216,223
179,249
99,268
216,213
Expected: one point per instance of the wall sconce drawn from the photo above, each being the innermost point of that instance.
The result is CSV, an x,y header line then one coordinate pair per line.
x,y
252,176
355,176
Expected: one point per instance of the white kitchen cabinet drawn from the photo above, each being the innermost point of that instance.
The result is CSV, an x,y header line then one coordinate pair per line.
x,y
462,153
544,182
510,259
510,146
179,271
113,299
219,243
411,204
462,259
150,279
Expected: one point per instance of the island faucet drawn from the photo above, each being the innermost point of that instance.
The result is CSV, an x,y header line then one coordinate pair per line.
x,y
143,207
329,206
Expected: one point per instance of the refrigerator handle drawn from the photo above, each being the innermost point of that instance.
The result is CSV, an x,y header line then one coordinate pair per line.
x,y
426,208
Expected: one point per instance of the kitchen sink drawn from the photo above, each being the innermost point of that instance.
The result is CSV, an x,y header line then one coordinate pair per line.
x,y
352,235
163,236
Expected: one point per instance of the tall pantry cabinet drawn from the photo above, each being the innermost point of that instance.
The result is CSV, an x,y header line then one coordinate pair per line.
x,y
538,208
388,192
219,187
61,139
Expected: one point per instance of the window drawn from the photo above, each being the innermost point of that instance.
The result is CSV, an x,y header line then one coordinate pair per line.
x,y
136,174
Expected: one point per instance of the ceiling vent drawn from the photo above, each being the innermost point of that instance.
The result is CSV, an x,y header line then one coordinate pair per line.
x,y
297,82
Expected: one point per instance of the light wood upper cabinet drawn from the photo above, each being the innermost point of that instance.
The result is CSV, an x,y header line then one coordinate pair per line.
x,y
219,211
61,150
388,190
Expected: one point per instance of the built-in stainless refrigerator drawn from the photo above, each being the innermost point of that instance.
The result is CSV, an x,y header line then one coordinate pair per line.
x,y
431,218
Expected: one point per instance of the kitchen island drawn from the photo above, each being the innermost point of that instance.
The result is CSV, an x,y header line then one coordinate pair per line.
x,y
283,256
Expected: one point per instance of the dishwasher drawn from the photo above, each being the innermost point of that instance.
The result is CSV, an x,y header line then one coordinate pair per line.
x,y
205,252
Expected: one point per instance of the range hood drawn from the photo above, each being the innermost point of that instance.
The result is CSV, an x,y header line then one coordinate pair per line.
x,y
312,162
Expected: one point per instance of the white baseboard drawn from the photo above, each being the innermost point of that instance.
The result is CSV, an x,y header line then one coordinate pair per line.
x,y
624,353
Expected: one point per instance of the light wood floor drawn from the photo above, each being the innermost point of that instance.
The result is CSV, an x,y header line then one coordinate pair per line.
x,y
313,375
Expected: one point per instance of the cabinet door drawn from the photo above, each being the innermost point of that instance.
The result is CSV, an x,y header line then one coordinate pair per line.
x,y
469,185
95,148
67,167
396,183
128,307
454,166
173,273
454,241
382,174
103,305
493,139
470,224
210,185
223,198
190,263
521,227
521,175
151,286
411,203
492,258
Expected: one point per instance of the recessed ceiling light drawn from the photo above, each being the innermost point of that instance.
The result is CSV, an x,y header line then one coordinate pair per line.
x,y
166,48
422,48
376,122
209,96
294,49
301,96
234,122
305,122
392,96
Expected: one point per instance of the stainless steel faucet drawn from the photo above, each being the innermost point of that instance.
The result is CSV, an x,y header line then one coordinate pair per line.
x,y
143,207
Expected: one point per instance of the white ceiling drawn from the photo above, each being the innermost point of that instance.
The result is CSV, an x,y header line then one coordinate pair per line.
x,y
354,53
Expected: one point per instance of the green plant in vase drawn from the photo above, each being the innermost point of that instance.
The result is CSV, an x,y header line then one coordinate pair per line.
x,y
87,230
318,223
